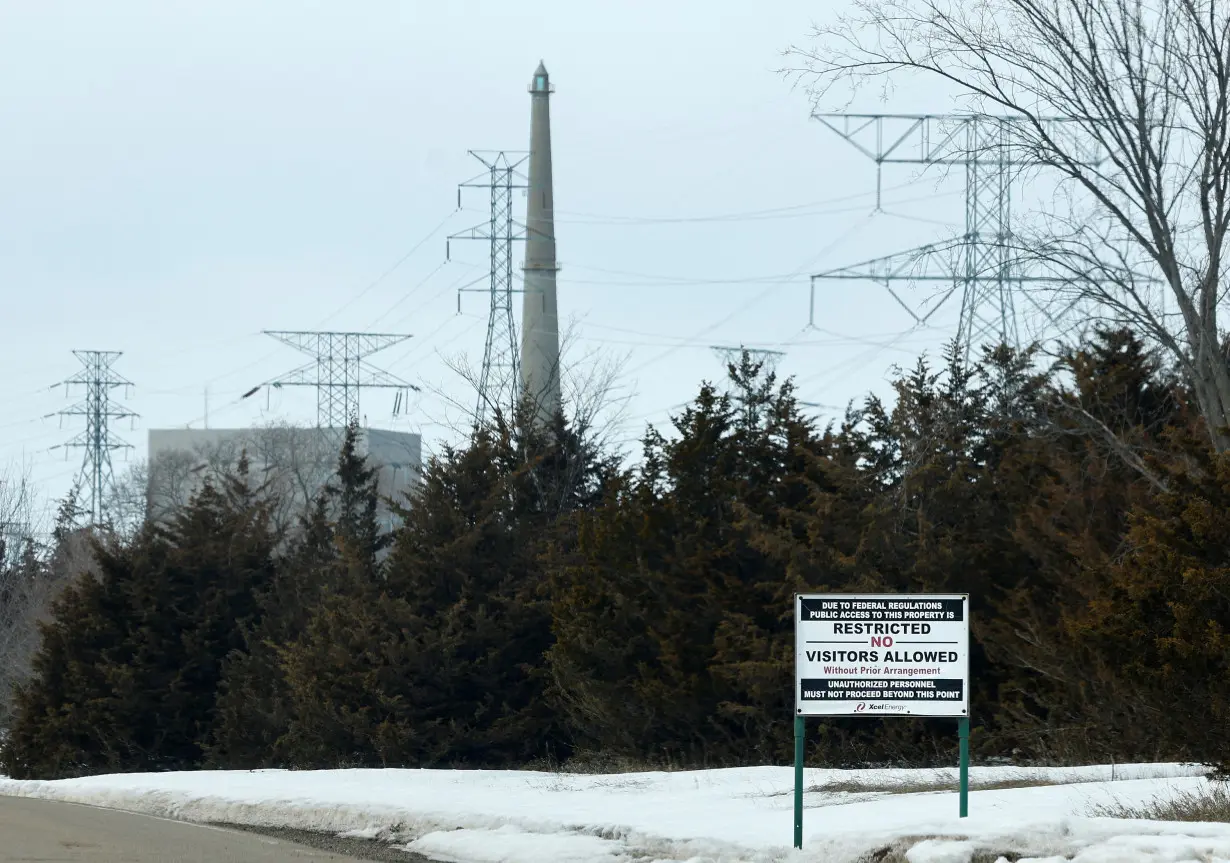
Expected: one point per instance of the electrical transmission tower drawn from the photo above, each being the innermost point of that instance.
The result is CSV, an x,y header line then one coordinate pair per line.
x,y
731,356
338,371
499,380
99,379
981,262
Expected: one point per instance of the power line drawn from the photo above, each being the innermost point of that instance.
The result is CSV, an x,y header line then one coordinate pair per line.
x,y
630,222
651,281
836,336
450,287
860,359
235,402
160,358
838,240
21,423
392,269
370,286
408,294
748,215
418,344
754,346
247,366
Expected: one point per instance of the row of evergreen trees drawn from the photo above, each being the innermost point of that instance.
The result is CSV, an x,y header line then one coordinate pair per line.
x,y
542,601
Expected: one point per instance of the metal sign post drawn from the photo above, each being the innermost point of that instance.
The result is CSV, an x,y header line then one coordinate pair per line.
x,y
963,769
874,655
798,781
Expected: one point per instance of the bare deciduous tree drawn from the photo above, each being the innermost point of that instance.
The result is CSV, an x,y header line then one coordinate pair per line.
x,y
128,499
288,467
31,577
173,477
1147,85
287,464
589,380
16,514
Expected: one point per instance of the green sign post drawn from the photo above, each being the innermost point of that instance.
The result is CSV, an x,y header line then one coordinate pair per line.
x,y
963,769
877,655
799,735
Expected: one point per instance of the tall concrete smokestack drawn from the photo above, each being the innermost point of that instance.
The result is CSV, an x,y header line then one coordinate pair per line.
x,y
540,372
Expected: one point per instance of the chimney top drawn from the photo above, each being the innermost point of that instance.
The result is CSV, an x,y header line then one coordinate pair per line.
x,y
542,81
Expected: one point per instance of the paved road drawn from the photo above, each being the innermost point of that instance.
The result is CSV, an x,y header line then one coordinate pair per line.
x,y
38,830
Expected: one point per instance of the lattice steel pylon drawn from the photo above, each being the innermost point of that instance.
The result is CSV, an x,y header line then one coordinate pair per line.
x,y
338,370
99,379
731,356
982,262
499,379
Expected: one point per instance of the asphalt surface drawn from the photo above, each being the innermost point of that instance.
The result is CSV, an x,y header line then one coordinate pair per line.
x,y
39,830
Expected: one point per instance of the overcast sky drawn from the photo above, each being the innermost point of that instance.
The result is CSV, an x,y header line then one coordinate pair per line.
x,y
176,177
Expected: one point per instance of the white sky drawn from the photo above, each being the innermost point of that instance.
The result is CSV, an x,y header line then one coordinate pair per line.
x,y
177,176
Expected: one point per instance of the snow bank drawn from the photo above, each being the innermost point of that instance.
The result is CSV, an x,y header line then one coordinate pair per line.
x,y
710,816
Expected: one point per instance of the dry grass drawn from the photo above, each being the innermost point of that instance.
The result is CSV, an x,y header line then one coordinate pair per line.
x,y
1211,804
897,852
926,786
940,783
599,763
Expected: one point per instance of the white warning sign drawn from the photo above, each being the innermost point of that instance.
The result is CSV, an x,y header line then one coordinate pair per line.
x,y
881,655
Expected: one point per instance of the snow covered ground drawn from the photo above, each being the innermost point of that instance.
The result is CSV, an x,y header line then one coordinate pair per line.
x,y
711,815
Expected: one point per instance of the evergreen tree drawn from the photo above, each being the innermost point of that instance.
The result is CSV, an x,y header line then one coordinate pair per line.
x,y
357,500
668,636
890,502
1129,657
128,672
538,601
441,660
336,553
1164,615
253,703
1077,480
